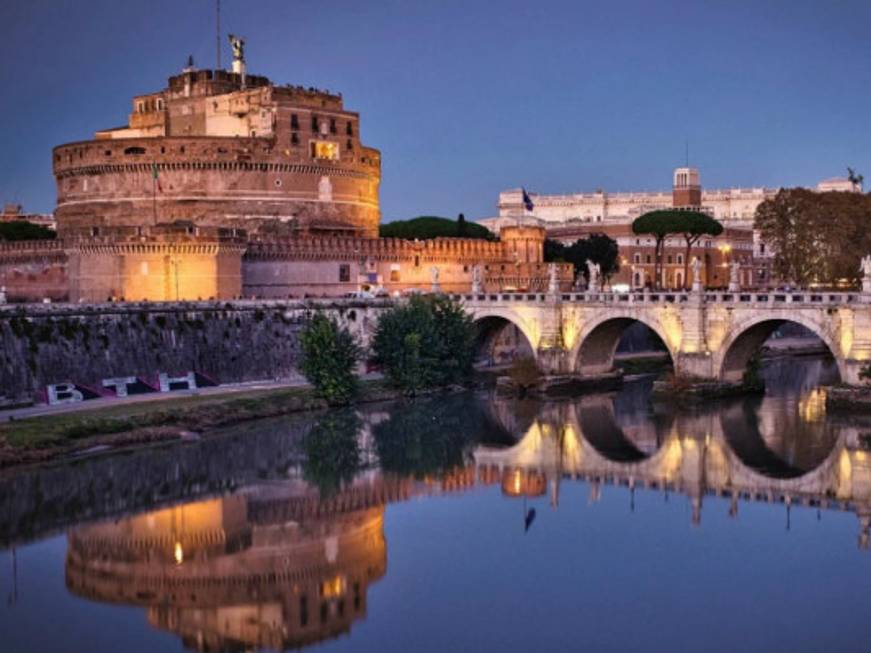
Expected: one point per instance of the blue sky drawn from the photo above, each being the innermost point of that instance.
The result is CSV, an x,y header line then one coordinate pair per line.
x,y
467,98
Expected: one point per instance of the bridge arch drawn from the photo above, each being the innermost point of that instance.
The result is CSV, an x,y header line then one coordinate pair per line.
x,y
596,344
746,337
492,325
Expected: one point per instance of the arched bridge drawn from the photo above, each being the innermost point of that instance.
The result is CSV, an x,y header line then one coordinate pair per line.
x,y
710,335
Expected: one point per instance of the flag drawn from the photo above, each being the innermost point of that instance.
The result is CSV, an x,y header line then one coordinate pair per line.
x,y
156,177
527,202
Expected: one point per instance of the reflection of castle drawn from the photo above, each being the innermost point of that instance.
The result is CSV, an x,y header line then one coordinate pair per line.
x,y
224,574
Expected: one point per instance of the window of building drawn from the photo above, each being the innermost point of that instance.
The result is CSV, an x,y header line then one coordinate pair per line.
x,y
314,123
294,139
332,125
349,144
680,259
647,259
349,128
761,248
669,259
344,272
134,150
324,150
394,275
294,121
417,261
637,258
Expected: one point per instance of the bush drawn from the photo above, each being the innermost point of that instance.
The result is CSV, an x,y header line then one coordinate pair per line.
x,y
524,372
329,359
425,343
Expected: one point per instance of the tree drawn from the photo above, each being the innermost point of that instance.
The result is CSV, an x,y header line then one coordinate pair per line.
x,y
426,227
816,237
597,248
23,230
554,251
695,226
669,222
329,359
426,342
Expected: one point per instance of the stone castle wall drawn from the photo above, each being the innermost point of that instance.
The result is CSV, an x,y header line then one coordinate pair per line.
x,y
213,181
33,270
226,342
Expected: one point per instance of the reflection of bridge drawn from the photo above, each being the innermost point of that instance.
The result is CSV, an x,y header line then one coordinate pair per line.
x,y
709,335
582,441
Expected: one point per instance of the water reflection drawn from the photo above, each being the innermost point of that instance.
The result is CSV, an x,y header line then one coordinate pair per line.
x,y
289,559
269,567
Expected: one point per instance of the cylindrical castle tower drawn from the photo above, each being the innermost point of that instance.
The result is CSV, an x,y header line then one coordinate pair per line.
x,y
223,149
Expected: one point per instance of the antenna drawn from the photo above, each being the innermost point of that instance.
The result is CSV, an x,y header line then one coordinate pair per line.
x,y
218,33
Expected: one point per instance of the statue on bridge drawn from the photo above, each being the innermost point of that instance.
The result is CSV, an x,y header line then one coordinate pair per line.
x,y
477,288
593,271
734,277
434,278
865,268
697,274
553,279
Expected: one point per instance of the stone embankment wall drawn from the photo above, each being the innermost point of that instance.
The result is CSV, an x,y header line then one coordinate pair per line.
x,y
225,341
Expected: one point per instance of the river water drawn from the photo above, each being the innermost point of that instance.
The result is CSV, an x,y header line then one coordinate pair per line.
x,y
465,523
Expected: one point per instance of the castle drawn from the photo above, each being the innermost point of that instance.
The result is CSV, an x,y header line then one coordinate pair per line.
x,y
226,185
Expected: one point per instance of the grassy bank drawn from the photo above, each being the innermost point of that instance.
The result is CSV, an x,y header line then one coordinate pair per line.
x,y
41,438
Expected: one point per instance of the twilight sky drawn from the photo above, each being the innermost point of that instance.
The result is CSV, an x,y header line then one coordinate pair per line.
x,y
465,98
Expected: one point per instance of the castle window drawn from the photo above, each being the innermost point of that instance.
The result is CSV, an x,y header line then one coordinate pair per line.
x,y
637,258
95,231
349,129
294,121
314,123
344,272
680,259
669,259
761,248
108,152
294,139
647,259
134,150
332,125
417,261
349,144
324,150
162,149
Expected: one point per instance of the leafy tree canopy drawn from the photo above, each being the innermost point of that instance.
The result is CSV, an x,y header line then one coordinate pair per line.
x,y
427,226
426,342
666,222
816,237
329,359
23,230
598,248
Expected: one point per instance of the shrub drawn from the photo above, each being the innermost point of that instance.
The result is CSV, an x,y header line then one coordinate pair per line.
x,y
425,343
524,372
329,359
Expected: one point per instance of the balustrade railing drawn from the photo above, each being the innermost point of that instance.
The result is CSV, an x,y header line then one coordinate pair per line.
x,y
770,299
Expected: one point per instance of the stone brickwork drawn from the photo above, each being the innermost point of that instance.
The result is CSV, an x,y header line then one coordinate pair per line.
x,y
33,270
226,342
228,151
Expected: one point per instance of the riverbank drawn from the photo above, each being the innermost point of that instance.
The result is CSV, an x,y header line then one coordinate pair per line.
x,y
85,432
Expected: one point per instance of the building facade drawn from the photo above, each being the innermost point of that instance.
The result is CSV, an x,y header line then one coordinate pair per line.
x,y
567,218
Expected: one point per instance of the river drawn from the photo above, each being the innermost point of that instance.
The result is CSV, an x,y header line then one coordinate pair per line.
x,y
460,523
